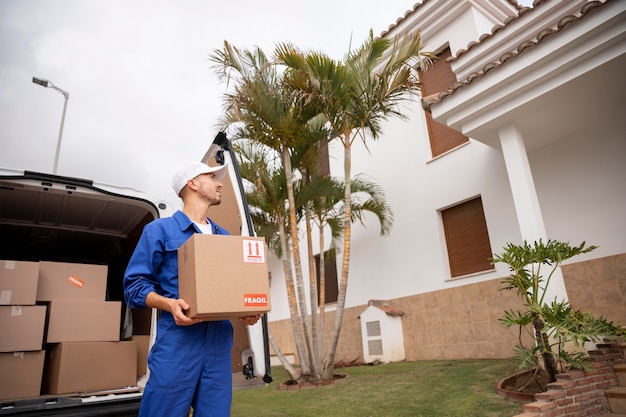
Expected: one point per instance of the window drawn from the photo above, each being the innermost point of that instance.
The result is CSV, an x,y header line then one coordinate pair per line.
x,y
330,277
323,165
467,239
439,77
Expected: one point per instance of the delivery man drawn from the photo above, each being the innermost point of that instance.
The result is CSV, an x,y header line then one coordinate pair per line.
x,y
190,362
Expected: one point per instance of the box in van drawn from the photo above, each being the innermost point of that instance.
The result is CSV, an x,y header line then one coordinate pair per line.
x,y
143,348
21,374
83,321
90,366
18,282
22,328
71,281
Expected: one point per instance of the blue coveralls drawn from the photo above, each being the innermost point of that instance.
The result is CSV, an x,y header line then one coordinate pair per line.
x,y
189,365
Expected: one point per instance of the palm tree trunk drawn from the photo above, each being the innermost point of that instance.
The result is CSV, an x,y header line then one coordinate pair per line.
x,y
293,372
313,297
345,262
293,227
321,337
296,322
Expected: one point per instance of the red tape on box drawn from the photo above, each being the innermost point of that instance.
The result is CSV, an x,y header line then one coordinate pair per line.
x,y
255,300
76,281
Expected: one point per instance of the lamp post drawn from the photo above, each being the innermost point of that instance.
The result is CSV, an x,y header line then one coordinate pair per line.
x,y
46,83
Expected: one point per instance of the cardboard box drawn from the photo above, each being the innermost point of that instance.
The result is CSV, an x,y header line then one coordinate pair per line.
x,y
21,374
223,277
90,366
143,348
22,328
71,282
78,321
18,282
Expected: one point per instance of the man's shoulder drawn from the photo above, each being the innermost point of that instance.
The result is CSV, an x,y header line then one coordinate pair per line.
x,y
164,223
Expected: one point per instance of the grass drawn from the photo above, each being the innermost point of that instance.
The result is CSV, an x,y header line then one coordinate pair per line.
x,y
456,388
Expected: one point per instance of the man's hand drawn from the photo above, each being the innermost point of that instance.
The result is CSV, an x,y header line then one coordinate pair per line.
x,y
175,306
250,320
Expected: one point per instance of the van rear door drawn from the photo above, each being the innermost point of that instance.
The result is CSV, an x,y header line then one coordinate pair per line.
x,y
250,356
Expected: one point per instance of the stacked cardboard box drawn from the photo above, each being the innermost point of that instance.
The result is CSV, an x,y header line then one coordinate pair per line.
x,y
143,349
84,351
141,320
90,366
76,296
21,338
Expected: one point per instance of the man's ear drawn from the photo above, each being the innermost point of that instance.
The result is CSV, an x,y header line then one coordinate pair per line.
x,y
192,184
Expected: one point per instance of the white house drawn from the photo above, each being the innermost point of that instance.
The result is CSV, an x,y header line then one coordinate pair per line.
x,y
519,135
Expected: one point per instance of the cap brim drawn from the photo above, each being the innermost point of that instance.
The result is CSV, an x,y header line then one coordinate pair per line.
x,y
219,171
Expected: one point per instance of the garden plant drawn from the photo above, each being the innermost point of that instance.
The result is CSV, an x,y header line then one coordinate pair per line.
x,y
557,331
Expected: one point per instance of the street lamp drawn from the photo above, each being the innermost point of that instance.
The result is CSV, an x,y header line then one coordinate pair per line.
x,y
46,83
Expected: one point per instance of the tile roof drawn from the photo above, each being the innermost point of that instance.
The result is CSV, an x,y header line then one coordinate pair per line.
x,y
416,6
588,7
496,29
385,307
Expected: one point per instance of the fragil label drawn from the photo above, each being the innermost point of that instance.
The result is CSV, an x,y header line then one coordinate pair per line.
x,y
255,300
253,251
76,281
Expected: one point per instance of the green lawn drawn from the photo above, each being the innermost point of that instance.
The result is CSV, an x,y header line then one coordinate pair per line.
x,y
459,388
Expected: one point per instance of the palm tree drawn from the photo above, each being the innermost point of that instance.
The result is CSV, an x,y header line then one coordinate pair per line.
x,y
316,99
266,198
318,200
266,110
357,94
267,190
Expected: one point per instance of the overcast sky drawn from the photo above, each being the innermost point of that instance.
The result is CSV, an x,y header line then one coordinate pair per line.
x,y
143,96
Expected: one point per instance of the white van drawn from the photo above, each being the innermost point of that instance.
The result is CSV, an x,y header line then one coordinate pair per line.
x,y
47,217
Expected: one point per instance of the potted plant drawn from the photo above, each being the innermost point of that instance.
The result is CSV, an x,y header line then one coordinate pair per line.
x,y
556,329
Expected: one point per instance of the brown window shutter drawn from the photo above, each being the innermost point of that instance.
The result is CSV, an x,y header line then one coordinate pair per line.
x,y
439,77
467,238
436,79
323,168
330,277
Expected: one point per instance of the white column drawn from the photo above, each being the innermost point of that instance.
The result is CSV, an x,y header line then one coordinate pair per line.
x,y
522,184
525,199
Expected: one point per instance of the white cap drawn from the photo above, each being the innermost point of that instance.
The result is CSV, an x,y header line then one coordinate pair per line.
x,y
191,170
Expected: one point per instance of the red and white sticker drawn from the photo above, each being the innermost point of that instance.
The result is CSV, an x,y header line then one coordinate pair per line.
x,y
253,251
255,300
76,281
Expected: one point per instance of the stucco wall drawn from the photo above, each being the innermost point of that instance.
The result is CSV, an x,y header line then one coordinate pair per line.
x,y
598,287
450,324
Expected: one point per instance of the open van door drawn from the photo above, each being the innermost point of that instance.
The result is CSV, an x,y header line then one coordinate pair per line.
x,y
250,356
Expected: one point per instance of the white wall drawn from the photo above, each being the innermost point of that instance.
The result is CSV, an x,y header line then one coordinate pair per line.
x,y
581,184
413,258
